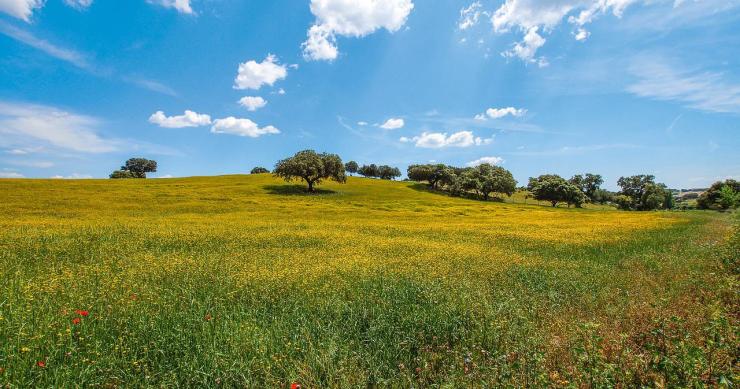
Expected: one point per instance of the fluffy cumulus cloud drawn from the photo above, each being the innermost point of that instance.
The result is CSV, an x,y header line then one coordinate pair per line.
x,y
21,9
354,18
527,48
498,113
488,160
252,103
23,126
253,74
392,124
182,6
188,119
438,140
241,127
536,18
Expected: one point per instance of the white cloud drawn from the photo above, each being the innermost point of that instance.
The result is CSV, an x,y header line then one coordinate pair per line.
x,y
581,34
527,48
703,90
24,151
25,123
252,103
498,113
536,17
438,140
241,127
182,6
362,123
393,124
253,74
354,18
488,160
188,119
73,176
21,9
11,175
469,16
78,4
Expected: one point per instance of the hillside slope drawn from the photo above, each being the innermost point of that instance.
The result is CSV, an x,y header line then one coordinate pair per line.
x,y
247,280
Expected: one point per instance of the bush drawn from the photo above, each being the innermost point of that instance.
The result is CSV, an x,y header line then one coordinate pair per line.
x,y
259,170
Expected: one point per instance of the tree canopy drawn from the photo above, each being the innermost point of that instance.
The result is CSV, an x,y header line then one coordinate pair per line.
x,y
555,189
135,168
486,179
642,193
351,167
259,170
431,173
589,184
311,167
721,195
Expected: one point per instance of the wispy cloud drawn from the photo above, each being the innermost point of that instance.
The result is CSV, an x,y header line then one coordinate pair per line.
x,y
703,90
152,85
34,164
50,131
64,54
9,174
26,124
79,60
573,150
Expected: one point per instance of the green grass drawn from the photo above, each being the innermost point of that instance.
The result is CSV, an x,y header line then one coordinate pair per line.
x,y
247,281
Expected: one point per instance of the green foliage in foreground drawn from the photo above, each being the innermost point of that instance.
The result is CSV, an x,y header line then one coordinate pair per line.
x,y
235,282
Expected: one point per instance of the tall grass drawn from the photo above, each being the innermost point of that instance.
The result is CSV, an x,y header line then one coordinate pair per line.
x,y
246,281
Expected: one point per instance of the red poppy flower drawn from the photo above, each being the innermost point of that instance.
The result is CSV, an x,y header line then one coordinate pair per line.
x,y
76,321
41,364
82,313
295,385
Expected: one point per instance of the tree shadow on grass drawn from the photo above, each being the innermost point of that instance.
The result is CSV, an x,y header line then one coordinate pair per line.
x,y
468,195
295,190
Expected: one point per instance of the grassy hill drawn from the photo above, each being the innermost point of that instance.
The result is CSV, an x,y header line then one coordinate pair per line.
x,y
248,281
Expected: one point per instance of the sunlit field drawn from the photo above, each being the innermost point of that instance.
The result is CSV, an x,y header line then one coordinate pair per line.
x,y
248,281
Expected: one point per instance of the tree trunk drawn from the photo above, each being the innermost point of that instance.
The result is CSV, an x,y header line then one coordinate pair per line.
x,y
310,186
554,203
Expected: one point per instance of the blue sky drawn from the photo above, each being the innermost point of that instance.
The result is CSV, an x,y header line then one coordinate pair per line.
x,y
615,87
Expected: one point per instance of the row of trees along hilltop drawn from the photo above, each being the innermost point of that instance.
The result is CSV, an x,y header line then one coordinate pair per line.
x,y
638,193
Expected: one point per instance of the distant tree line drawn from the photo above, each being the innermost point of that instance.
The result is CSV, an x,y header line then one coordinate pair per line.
x,y
384,172
638,193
